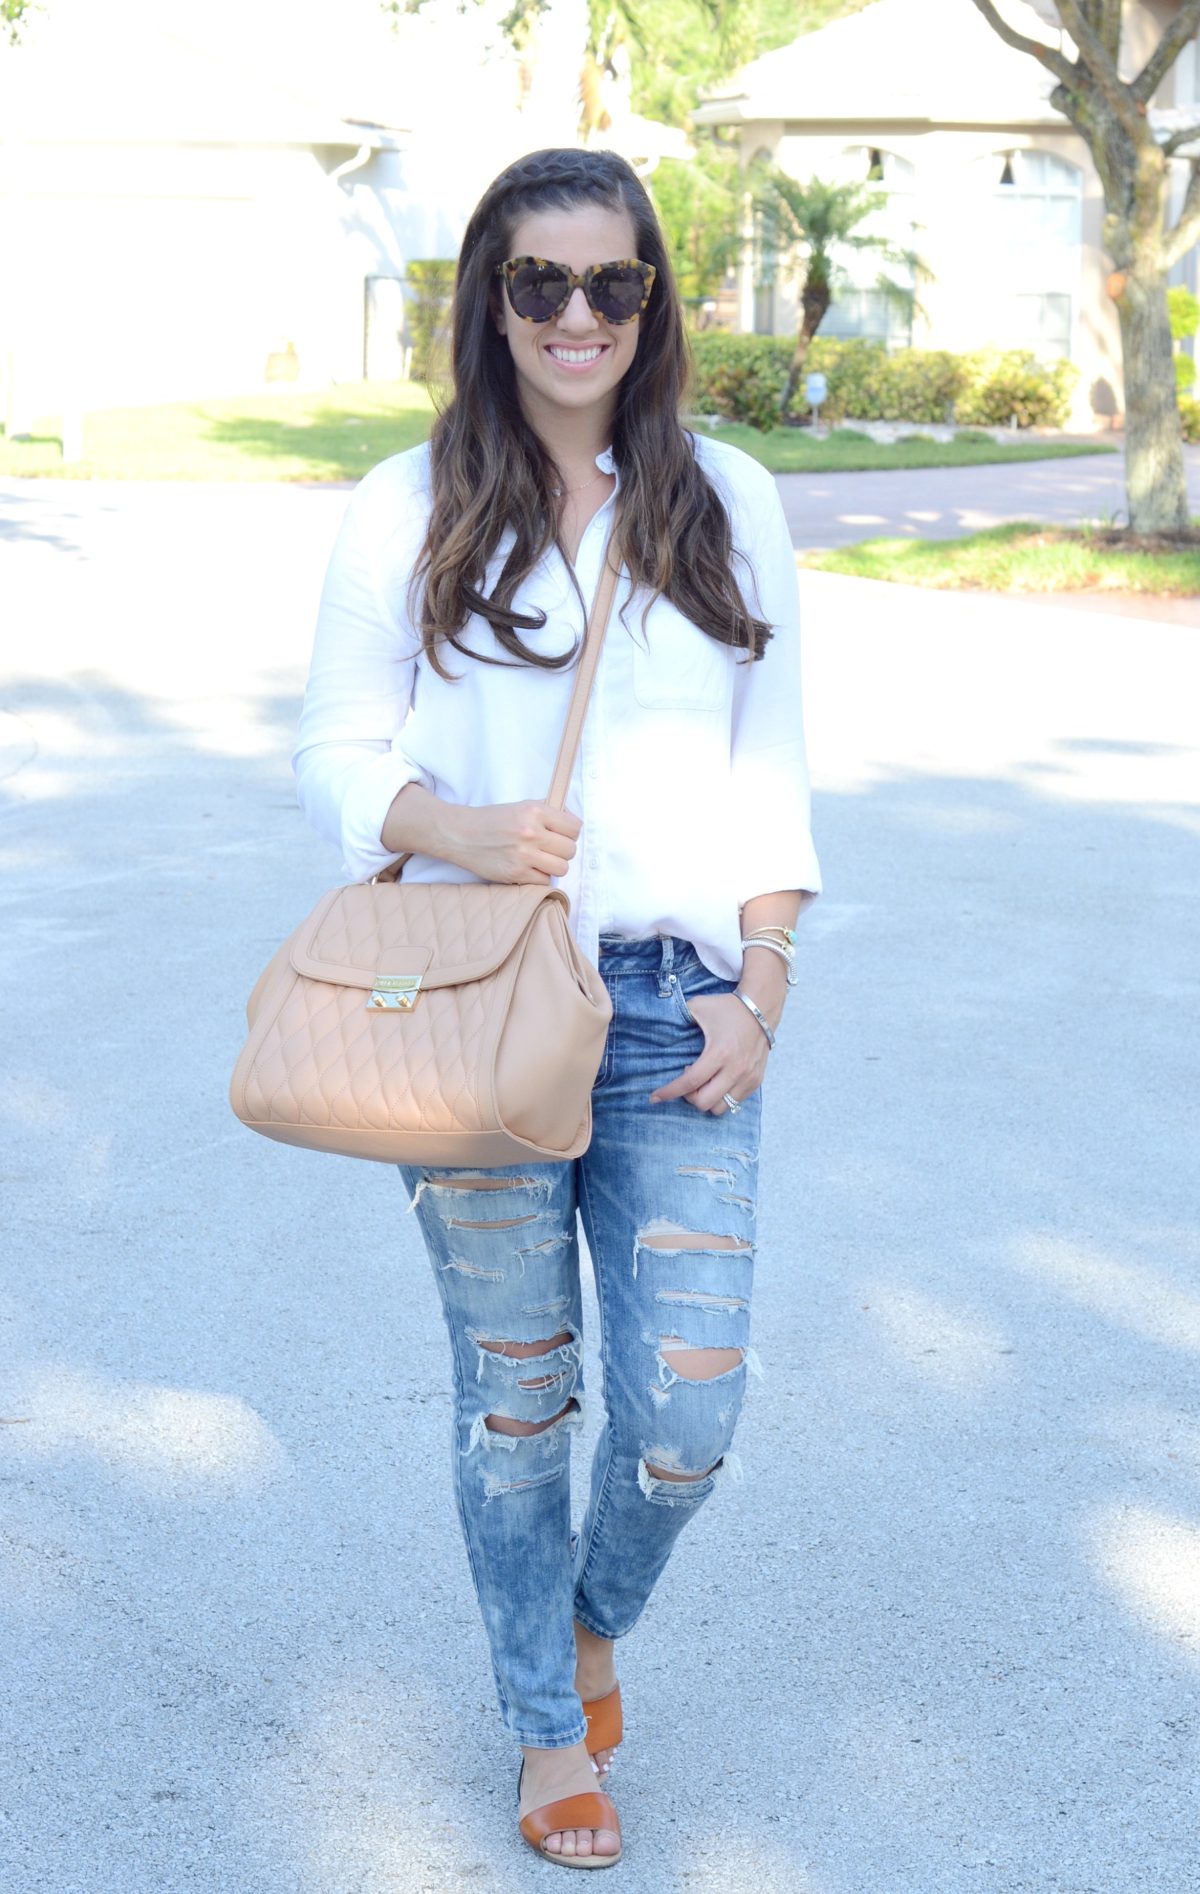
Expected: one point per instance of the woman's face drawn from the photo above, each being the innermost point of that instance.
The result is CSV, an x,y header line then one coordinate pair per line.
x,y
573,363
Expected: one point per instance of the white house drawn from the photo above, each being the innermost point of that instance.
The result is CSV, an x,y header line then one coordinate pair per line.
x,y
185,192
993,188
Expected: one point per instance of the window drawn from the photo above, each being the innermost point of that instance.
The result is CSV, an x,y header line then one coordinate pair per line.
x,y
869,314
1041,322
1036,197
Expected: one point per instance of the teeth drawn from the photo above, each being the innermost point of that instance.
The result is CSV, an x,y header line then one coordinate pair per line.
x,y
576,355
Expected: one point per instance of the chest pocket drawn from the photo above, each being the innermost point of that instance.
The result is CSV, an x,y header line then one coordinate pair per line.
x,y
680,667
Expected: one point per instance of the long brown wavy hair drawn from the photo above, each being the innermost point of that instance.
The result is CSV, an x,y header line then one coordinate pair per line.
x,y
490,470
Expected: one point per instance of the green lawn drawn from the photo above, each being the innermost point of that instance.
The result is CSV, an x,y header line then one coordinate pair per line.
x,y
337,433
281,434
792,450
1024,557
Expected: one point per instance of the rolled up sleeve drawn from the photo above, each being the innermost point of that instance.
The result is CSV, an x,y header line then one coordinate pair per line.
x,y
349,761
772,834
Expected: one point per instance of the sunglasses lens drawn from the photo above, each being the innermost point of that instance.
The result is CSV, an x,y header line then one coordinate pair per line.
x,y
536,290
619,292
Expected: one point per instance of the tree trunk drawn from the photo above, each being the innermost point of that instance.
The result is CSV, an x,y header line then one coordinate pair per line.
x,y
1154,472
1134,176
814,302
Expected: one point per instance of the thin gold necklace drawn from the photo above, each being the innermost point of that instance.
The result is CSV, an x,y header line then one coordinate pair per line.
x,y
559,491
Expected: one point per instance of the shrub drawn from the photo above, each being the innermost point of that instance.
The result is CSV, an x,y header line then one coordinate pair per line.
x,y
741,377
1189,416
1014,385
1184,311
431,285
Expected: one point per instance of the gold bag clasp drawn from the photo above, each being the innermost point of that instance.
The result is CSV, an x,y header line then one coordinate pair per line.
x,y
394,993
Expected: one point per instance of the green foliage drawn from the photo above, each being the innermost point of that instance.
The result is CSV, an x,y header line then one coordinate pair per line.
x,y
1189,417
1009,385
13,15
1184,309
805,223
677,47
810,213
698,203
431,283
1022,557
740,378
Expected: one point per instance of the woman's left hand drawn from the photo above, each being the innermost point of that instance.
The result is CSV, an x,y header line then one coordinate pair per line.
x,y
734,1057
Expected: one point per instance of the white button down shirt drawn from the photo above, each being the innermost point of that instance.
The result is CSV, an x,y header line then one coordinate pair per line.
x,y
691,779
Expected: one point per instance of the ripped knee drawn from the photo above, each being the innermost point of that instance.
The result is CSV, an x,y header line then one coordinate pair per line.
x,y
505,1424
670,1473
662,1235
699,1364
524,1351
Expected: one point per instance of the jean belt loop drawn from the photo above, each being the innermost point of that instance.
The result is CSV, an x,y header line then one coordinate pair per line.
x,y
665,975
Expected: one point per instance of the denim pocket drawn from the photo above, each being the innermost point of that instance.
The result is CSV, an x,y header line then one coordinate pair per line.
x,y
693,980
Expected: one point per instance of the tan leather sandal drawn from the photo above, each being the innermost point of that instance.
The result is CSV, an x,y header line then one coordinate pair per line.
x,y
592,1810
605,1726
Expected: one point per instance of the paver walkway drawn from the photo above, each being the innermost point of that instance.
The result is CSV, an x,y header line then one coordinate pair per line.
x,y
944,1638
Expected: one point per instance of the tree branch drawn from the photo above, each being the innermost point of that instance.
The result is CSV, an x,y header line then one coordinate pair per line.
x,y
1048,56
1104,17
1171,145
1109,28
1179,241
1094,55
1182,28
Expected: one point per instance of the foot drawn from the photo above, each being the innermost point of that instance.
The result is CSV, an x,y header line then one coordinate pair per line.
x,y
595,1676
548,1776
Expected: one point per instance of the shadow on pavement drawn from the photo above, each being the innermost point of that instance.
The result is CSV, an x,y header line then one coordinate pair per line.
x,y
951,1597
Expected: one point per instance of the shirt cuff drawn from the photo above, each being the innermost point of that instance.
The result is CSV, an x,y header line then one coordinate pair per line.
x,y
777,863
364,810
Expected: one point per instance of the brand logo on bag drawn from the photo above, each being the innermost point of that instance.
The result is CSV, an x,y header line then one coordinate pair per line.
x,y
394,993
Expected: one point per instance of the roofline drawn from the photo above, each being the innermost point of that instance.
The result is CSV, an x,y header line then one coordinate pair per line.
x,y
348,137
897,120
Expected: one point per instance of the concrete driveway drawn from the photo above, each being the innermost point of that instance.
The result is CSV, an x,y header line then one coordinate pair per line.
x,y
826,510
945,1637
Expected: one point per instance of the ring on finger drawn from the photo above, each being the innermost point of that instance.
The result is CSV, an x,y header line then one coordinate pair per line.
x,y
731,1102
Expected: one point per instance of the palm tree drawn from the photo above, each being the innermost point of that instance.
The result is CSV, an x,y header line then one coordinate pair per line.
x,y
805,223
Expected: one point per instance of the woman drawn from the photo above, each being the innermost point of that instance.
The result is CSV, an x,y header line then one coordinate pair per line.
x,y
685,837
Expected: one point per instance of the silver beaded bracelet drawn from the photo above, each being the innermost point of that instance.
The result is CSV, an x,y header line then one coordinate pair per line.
x,y
774,947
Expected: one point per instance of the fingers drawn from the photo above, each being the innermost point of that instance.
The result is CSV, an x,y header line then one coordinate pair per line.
x,y
562,821
723,1066
689,1080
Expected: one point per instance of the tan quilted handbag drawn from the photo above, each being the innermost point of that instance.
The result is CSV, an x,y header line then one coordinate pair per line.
x,y
445,1023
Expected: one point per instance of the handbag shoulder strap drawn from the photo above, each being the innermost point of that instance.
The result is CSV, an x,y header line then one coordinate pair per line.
x,y
589,658
577,707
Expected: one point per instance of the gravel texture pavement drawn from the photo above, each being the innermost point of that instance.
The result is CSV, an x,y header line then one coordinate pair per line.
x,y
835,509
945,1637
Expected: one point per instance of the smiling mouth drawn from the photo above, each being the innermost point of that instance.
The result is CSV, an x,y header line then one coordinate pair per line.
x,y
576,357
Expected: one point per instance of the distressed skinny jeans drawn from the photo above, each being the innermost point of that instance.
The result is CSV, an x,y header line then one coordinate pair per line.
x,y
666,1194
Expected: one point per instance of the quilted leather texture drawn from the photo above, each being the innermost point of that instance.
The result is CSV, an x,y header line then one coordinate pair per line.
x,y
323,1070
465,928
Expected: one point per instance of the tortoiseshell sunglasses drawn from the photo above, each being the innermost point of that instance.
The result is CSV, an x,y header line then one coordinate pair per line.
x,y
538,290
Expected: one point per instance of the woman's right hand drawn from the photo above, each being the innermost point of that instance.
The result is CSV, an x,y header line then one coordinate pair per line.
x,y
516,841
